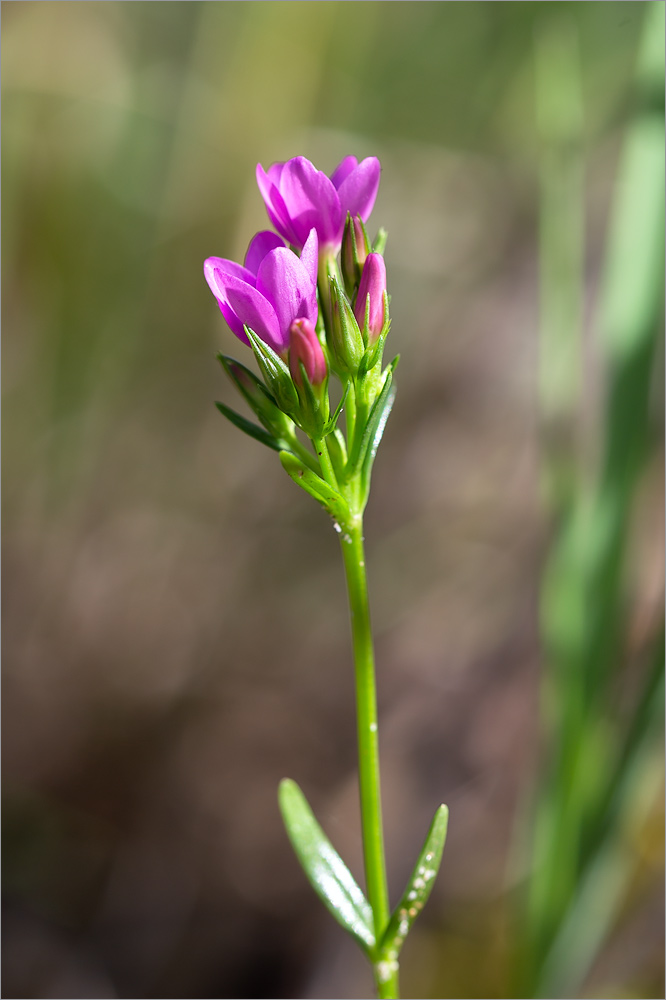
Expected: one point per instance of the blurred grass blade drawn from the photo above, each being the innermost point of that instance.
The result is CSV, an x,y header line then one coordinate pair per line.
x,y
328,875
559,116
418,888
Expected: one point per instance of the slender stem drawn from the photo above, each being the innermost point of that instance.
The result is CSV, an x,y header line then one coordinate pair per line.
x,y
386,975
303,453
325,459
350,413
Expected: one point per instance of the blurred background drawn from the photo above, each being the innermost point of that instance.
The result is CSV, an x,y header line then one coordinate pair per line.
x,y
175,627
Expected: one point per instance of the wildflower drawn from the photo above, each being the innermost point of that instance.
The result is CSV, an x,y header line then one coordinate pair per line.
x,y
271,290
370,307
299,197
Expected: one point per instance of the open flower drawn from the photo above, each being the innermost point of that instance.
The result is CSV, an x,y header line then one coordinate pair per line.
x,y
272,289
299,197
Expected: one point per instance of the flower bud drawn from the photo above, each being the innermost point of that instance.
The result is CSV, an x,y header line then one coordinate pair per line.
x,y
305,349
370,306
355,249
345,339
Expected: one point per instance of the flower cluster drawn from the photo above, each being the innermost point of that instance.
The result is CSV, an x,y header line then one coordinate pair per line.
x,y
310,300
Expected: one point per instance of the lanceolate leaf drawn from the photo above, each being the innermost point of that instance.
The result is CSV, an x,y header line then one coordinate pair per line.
x,y
252,429
257,396
418,888
375,428
328,875
316,487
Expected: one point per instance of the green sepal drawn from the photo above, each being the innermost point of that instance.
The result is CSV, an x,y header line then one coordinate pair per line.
x,y
314,407
313,484
375,429
332,423
346,340
252,429
337,449
277,375
326,871
417,889
379,246
258,398
351,261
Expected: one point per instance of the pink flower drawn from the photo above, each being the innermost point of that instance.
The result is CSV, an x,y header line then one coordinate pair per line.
x,y
370,296
299,197
272,290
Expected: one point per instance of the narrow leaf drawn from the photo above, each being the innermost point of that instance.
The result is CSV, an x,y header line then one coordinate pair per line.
x,y
326,871
375,428
418,888
252,429
313,484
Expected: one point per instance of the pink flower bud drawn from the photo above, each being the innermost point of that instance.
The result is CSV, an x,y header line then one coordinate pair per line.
x,y
304,347
373,284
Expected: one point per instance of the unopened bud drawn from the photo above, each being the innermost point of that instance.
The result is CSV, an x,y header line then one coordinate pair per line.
x,y
305,349
370,309
355,249
346,341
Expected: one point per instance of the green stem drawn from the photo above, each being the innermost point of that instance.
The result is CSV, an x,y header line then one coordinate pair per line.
x,y
306,457
386,976
325,460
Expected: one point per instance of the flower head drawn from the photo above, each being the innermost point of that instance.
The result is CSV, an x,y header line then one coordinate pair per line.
x,y
299,197
272,289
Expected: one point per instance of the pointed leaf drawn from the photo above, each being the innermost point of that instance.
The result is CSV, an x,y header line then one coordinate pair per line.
x,y
418,888
313,484
375,428
252,429
257,396
327,873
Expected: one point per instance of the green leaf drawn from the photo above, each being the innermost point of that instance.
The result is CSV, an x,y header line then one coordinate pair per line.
x,y
418,888
375,428
252,429
313,484
327,873
257,396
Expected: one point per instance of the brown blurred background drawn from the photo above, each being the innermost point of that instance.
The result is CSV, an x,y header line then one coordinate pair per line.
x,y
175,629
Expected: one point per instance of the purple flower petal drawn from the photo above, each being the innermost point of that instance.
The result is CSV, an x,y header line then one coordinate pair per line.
x,y
275,206
358,190
343,170
216,271
310,255
312,202
252,309
260,245
285,283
